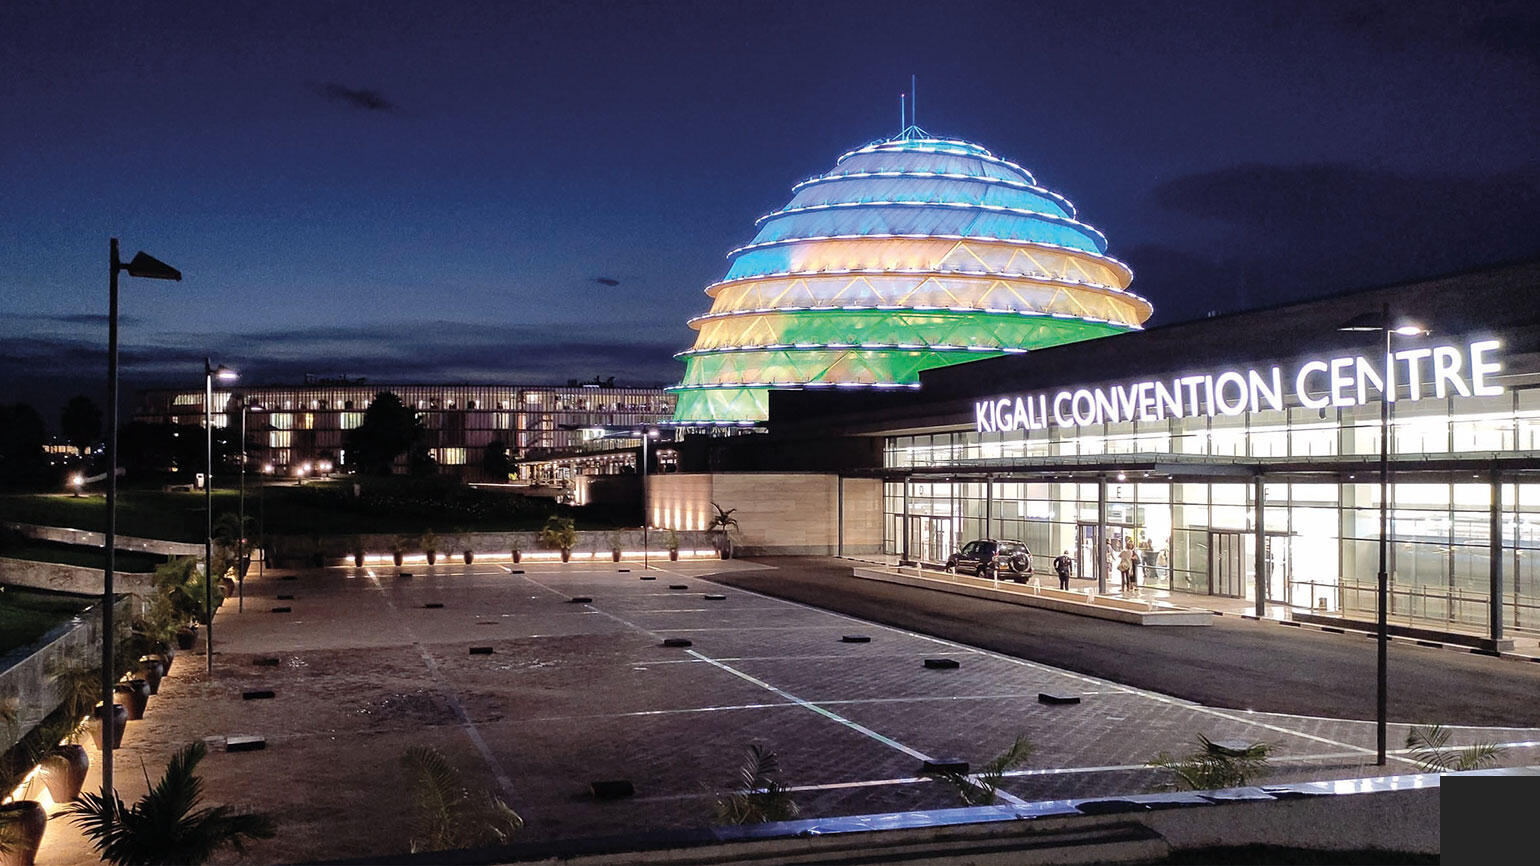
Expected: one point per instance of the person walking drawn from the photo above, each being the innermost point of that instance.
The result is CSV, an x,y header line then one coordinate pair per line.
x,y
1134,561
1064,566
1126,563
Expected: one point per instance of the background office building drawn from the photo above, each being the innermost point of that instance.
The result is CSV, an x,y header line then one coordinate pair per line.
x,y
289,426
1240,454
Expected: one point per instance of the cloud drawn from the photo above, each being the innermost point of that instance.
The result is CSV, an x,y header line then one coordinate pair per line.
x,y
356,97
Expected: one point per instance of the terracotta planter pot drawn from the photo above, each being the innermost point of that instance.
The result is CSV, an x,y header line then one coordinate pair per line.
x,y
119,724
397,555
516,554
27,819
185,638
468,557
358,559
153,670
673,555
64,772
566,554
432,556
615,554
136,695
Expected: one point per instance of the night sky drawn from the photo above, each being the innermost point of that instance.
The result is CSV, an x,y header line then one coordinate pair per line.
x,y
536,192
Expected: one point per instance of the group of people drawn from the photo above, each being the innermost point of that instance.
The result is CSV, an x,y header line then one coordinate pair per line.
x,y
1124,557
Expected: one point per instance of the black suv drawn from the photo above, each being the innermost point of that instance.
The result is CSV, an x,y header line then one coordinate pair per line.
x,y
987,557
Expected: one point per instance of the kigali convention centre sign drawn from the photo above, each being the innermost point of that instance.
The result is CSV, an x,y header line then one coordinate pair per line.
x,y
1349,380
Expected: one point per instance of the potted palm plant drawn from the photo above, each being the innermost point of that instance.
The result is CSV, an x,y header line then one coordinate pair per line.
x,y
672,541
516,547
358,555
429,543
398,550
721,522
166,825
615,544
559,532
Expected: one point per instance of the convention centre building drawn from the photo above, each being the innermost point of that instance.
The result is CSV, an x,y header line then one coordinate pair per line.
x,y
1239,454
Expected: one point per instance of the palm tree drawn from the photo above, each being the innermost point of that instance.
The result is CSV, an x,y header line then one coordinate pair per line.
x,y
166,825
1214,766
448,816
761,797
981,788
1431,750
722,521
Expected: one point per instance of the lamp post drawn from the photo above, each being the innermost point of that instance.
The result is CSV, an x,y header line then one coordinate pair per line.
x,y
150,268
647,434
224,374
1380,322
240,544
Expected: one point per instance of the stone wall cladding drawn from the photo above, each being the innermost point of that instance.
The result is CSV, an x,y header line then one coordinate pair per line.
x,y
71,578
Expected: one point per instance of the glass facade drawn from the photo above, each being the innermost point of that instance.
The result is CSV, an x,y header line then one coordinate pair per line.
x,y
1183,490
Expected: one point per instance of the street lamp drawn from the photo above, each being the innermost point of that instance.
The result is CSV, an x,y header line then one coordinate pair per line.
x,y
1381,322
647,434
223,374
240,544
149,268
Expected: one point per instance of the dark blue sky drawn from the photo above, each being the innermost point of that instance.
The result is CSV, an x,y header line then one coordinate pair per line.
x,y
431,191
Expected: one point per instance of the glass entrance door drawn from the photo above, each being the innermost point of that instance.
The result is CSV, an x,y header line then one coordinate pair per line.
x,y
931,539
1227,564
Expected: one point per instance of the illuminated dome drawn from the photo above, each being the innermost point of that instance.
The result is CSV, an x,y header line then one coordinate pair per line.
x,y
912,253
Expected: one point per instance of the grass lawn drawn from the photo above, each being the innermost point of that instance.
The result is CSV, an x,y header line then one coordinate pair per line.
x,y
26,615
394,505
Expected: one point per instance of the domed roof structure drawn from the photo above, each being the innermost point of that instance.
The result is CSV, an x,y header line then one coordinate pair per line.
x,y
911,253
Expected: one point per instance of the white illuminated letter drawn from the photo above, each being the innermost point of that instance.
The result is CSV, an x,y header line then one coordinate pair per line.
x,y
1302,391
1414,369
1446,368
1340,380
1089,417
1126,401
1003,417
1169,398
1217,395
1023,420
1260,389
1192,392
1106,409
1480,368
1145,392
1366,374
981,417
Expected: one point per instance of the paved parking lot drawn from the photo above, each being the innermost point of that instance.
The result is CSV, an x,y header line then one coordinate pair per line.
x,y
576,692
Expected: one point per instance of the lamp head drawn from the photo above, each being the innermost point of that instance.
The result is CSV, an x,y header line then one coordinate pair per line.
x,y
151,268
222,373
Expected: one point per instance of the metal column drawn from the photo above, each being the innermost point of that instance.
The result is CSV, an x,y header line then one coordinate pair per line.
x,y
903,553
1261,552
1101,533
1495,560
839,505
989,503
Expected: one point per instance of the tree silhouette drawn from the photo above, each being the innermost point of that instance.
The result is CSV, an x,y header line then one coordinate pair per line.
x,y
495,462
81,422
389,429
